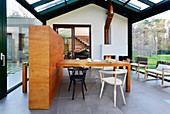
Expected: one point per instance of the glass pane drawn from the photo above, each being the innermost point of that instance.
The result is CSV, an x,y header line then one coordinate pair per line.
x,y
18,21
138,5
155,1
82,42
123,1
65,33
151,38
49,5
32,1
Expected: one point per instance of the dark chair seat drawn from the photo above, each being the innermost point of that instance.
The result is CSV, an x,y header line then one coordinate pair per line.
x,y
77,77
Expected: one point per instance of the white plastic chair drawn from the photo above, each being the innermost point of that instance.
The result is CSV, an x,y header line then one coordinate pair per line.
x,y
113,81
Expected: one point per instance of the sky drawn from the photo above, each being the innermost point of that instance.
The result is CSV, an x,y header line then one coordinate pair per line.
x,y
164,15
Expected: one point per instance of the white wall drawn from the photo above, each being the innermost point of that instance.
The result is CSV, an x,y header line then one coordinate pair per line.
x,y
96,17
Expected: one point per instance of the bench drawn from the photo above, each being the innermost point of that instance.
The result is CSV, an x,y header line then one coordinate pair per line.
x,y
140,62
162,69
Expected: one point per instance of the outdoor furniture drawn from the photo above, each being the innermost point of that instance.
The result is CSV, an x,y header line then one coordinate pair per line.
x,y
85,63
113,81
80,77
140,62
162,69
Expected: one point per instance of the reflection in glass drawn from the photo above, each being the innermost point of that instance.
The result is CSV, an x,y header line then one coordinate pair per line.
x,y
137,4
18,21
65,33
82,42
49,5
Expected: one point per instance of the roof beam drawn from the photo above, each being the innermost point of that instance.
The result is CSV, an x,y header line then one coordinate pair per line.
x,y
156,9
63,8
118,8
57,7
147,2
39,3
126,2
31,9
126,6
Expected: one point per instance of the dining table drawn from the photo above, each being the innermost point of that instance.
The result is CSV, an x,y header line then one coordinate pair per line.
x,y
98,63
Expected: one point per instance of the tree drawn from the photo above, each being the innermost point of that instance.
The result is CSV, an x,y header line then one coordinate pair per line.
x,y
149,37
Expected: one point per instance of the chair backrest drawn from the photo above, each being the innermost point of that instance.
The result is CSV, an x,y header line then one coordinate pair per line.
x,y
143,60
118,71
72,70
162,62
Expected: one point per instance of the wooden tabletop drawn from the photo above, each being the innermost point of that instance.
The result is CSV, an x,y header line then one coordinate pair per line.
x,y
85,63
73,62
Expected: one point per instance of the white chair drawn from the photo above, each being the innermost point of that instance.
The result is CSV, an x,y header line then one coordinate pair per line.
x,y
113,81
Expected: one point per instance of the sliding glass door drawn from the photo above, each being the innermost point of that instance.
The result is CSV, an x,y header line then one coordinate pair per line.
x,y
77,40
3,74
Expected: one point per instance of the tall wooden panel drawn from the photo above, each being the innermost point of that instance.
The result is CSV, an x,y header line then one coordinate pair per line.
x,y
45,50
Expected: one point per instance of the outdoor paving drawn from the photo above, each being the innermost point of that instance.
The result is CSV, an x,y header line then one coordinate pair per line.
x,y
146,97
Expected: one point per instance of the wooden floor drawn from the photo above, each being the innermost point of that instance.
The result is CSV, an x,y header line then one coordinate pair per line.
x,y
146,97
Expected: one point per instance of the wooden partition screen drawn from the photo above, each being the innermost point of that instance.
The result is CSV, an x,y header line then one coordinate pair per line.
x,y
45,51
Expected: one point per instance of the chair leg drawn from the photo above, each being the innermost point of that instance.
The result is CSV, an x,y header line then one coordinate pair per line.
x,y
95,72
82,90
138,71
102,89
92,73
74,89
115,96
70,85
121,88
85,85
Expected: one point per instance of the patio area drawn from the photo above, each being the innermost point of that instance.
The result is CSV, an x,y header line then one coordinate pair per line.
x,y
146,97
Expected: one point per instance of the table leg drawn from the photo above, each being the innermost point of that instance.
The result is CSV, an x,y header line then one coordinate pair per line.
x,y
24,78
128,78
114,69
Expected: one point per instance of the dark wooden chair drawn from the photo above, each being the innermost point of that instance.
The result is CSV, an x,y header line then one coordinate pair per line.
x,y
140,62
77,77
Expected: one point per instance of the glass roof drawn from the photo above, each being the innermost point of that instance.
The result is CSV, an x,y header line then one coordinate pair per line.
x,y
41,5
123,1
155,1
138,5
32,1
49,5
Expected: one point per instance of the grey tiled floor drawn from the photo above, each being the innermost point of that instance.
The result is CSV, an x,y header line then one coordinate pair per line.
x,y
146,97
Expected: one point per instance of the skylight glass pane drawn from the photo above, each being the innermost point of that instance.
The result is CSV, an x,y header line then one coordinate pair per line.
x,y
155,1
49,5
123,1
137,4
32,1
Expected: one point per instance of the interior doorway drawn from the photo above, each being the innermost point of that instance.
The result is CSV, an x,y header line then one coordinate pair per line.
x,y
77,40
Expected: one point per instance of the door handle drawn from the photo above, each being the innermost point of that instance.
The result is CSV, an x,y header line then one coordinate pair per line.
x,y
3,59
